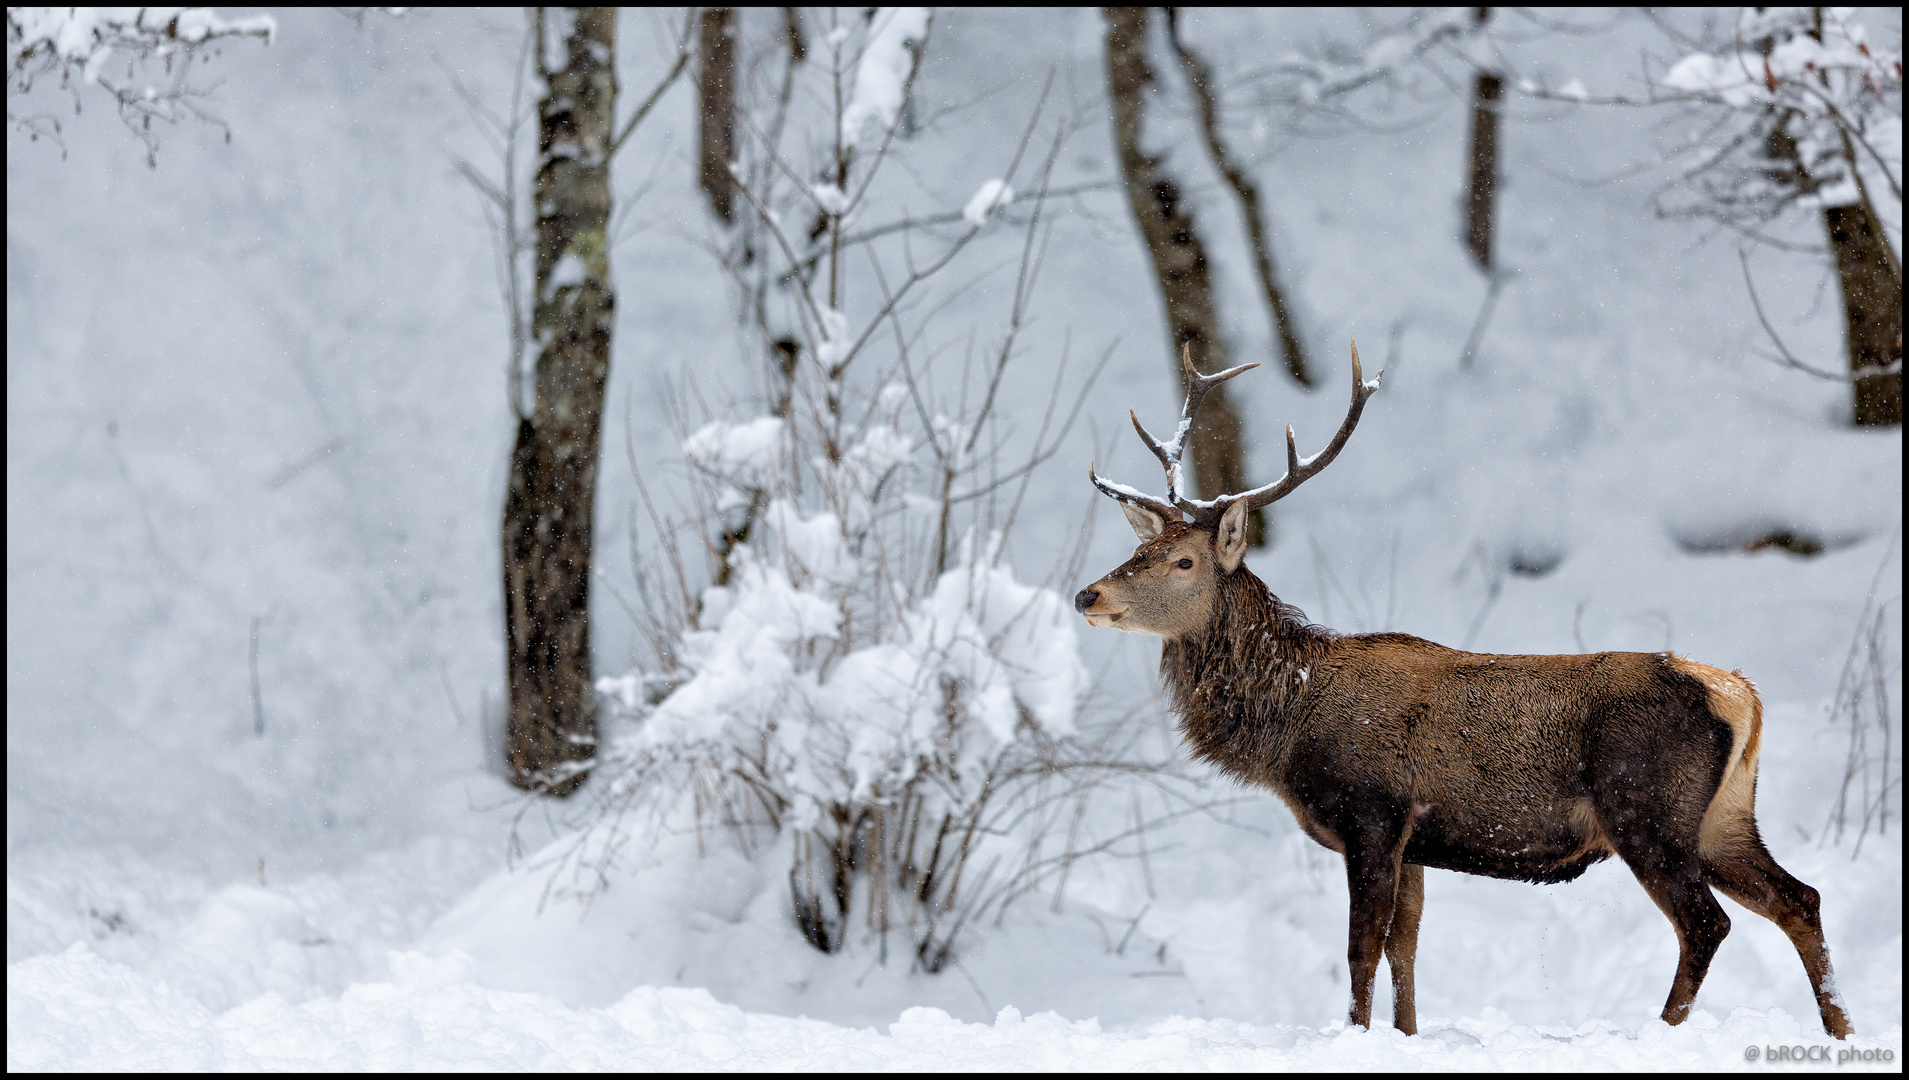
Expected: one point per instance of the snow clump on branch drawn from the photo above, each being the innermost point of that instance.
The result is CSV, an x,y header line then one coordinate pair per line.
x,y
992,196
881,79
88,36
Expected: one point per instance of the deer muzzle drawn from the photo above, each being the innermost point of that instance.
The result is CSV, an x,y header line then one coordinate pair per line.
x,y
1088,602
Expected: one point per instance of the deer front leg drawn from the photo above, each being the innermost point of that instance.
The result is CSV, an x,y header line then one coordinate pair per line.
x,y
1372,878
1401,946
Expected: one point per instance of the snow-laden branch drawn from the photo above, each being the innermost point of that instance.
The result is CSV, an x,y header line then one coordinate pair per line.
x,y
881,78
1341,72
88,36
1819,93
81,45
992,195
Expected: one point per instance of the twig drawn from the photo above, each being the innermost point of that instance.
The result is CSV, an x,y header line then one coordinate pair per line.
x,y
258,698
284,475
1121,949
1848,702
1786,358
450,694
1494,585
1472,340
952,216
655,95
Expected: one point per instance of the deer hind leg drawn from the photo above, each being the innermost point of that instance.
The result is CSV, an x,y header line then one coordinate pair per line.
x,y
1401,945
1674,878
1743,869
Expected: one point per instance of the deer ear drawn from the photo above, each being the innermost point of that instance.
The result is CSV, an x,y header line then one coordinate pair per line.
x,y
1229,541
1146,524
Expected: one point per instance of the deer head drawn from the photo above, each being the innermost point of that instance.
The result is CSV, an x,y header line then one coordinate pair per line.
x,y
1188,546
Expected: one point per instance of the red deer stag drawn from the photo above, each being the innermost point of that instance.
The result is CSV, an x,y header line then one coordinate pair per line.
x,y
1401,754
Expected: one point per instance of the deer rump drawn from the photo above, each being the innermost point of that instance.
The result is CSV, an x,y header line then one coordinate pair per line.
x,y
1514,767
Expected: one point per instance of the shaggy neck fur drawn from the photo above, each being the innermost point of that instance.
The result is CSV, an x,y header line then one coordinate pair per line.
x,y
1237,682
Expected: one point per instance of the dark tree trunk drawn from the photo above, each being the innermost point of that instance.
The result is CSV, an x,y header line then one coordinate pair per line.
x,y
1481,164
1872,312
1179,260
1200,77
716,90
1482,168
792,29
549,511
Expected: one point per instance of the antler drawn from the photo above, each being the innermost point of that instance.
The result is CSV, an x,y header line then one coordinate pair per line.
x,y
1125,494
1178,507
1169,454
1297,471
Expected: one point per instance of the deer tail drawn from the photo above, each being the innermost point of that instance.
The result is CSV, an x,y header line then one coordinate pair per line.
x,y
1733,700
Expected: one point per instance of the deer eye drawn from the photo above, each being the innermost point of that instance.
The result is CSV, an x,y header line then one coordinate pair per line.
x,y
1185,564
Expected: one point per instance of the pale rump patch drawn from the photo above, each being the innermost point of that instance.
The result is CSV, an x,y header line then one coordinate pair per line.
x,y
1733,699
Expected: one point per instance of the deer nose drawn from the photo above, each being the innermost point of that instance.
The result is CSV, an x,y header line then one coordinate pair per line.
x,y
1084,599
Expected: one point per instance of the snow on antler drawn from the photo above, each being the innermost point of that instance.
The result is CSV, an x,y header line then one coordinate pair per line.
x,y
1178,506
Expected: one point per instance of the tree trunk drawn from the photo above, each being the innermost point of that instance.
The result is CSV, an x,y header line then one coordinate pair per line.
x,y
1482,168
792,30
549,511
716,62
1179,261
1872,312
1481,165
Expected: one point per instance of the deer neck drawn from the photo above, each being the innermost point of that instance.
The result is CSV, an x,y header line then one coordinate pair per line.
x,y
1237,684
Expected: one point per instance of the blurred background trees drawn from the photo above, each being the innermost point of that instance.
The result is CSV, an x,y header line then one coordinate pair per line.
x,y
1801,114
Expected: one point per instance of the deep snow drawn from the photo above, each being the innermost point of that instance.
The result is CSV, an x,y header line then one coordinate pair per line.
x,y
257,393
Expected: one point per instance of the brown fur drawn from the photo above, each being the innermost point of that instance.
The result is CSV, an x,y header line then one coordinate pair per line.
x,y
1401,754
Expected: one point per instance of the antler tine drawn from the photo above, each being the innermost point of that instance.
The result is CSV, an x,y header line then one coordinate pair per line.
x,y
1171,452
1198,385
1123,493
1153,444
1297,471
1176,507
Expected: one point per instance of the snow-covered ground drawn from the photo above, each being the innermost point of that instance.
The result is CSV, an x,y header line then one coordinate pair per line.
x,y
75,1010
255,400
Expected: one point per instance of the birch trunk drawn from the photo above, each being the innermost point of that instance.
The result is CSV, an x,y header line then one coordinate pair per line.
x,y
549,510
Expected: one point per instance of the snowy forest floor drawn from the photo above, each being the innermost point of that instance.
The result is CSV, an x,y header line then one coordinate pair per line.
x,y
256,438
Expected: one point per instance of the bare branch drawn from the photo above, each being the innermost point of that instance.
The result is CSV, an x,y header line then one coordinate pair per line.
x,y
655,95
1787,358
1200,78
